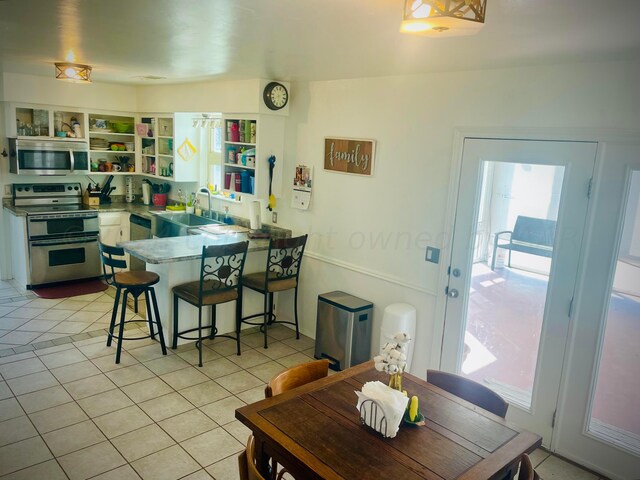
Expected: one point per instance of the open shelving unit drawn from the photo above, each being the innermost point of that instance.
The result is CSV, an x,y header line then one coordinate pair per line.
x,y
248,142
110,129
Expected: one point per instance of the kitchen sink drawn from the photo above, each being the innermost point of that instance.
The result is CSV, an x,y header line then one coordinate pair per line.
x,y
176,224
189,219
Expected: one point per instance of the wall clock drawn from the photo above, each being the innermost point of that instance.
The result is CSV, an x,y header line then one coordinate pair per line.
x,y
275,96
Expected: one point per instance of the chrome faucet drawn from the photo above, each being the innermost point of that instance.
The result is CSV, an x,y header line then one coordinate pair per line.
x,y
208,192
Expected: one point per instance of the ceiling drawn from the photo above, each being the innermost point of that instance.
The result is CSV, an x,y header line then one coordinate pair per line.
x,y
292,40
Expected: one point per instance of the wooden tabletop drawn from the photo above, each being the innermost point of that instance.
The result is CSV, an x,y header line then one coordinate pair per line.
x,y
315,431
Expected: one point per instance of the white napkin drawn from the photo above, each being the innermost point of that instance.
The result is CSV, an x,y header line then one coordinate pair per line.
x,y
392,402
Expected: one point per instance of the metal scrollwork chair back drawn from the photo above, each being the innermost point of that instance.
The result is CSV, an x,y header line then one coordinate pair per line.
x,y
220,282
284,261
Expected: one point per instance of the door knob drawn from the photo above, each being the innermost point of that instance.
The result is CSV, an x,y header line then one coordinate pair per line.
x,y
453,293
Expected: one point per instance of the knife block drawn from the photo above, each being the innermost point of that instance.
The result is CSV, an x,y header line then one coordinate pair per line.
x,y
90,199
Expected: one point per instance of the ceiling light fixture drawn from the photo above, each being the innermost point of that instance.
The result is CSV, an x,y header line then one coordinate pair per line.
x,y
73,72
443,18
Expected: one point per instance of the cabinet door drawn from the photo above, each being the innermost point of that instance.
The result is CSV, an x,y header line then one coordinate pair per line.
x,y
110,234
19,248
125,233
186,161
110,228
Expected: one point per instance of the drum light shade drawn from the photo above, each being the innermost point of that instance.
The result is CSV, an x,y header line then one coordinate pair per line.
x,y
443,18
73,72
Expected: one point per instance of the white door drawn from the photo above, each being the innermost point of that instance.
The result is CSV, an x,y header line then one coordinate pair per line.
x,y
599,409
507,314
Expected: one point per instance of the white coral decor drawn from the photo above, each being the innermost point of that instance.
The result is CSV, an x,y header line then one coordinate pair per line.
x,y
393,358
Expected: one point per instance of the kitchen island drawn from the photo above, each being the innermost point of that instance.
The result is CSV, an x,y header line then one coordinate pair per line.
x,y
177,260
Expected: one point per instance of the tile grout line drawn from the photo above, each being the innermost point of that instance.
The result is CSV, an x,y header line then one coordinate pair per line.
x,y
156,375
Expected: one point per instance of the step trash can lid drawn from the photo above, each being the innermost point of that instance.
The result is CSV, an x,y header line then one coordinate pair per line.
x,y
345,301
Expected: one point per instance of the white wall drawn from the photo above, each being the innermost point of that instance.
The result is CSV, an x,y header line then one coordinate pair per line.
x,y
49,91
413,119
241,96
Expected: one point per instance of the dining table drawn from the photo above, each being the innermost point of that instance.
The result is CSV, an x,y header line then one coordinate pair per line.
x,y
315,432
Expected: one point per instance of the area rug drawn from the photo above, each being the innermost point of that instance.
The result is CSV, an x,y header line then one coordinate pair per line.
x,y
70,289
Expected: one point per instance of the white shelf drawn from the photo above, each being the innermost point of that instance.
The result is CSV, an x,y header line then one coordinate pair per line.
x,y
93,133
224,198
120,152
165,136
165,155
237,165
246,144
113,173
153,175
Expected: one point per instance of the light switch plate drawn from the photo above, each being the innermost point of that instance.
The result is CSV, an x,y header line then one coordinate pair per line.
x,y
7,191
433,255
274,217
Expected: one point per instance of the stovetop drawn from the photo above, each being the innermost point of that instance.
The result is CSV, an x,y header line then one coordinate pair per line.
x,y
44,209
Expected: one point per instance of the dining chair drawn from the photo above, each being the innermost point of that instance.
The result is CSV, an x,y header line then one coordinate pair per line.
x,y
135,284
526,469
469,390
284,260
296,376
220,282
247,466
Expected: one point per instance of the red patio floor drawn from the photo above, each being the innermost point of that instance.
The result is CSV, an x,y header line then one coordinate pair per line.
x,y
505,317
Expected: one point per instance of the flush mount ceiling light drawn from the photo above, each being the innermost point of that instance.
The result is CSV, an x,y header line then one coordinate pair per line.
x,y
443,18
73,72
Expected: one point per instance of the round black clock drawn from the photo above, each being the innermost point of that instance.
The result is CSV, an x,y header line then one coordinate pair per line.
x,y
275,95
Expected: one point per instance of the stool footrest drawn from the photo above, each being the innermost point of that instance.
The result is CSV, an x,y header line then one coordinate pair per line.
x,y
115,337
256,315
183,336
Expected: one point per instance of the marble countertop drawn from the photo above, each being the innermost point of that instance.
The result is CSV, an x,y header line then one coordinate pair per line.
x,y
180,249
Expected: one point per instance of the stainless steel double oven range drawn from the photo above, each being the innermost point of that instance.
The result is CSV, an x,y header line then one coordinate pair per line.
x,y
62,233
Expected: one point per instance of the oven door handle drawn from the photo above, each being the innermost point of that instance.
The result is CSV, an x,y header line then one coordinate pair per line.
x,y
54,243
87,216
73,160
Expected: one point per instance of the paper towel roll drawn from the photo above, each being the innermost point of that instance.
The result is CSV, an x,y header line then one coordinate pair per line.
x,y
254,215
146,194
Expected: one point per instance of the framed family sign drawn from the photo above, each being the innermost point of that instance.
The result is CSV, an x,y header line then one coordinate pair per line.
x,y
349,155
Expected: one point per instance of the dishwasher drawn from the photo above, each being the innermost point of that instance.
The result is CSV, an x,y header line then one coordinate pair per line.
x,y
140,230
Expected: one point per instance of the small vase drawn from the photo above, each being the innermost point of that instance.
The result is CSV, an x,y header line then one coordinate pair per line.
x,y
395,381
190,209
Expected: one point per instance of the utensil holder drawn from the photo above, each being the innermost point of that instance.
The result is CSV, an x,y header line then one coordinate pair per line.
x,y
159,199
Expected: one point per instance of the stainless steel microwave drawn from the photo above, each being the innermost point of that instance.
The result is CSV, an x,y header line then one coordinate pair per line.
x,y
48,157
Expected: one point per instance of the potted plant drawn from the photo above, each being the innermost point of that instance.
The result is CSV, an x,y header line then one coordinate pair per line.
x,y
191,203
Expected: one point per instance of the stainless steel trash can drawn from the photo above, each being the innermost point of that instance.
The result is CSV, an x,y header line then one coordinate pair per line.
x,y
343,329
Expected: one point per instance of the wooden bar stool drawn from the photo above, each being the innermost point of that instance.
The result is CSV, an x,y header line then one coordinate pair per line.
x,y
220,282
133,283
284,260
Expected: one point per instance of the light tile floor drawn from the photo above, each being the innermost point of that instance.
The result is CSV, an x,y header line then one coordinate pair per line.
x,y
67,411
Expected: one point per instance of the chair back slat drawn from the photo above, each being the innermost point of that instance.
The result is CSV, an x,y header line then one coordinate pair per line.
x,y
469,390
109,263
285,258
246,463
296,376
526,469
221,267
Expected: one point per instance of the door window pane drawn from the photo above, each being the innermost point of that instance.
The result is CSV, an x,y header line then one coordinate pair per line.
x,y
513,250
614,414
